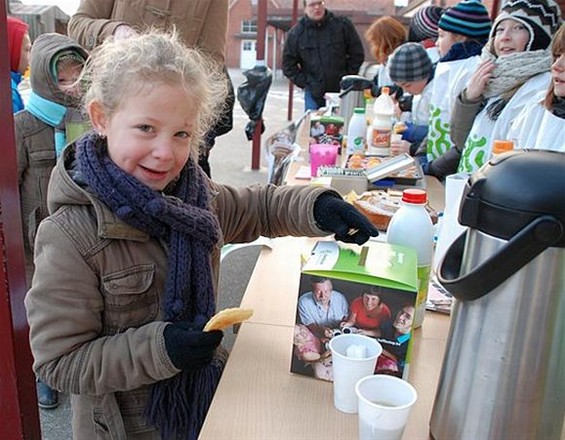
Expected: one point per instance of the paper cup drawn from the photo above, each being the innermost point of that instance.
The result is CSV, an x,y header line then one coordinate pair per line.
x,y
322,154
353,357
385,403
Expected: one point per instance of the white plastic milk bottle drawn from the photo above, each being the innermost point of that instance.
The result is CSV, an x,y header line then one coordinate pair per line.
x,y
356,132
381,128
411,226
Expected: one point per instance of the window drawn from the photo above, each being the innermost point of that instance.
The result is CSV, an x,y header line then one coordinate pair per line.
x,y
249,45
249,26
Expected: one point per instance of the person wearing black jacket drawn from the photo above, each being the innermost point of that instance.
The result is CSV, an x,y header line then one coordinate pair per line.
x,y
319,50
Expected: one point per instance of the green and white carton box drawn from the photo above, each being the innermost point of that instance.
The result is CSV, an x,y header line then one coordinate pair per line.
x,y
370,290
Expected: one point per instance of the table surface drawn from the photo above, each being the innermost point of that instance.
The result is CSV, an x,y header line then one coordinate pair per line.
x,y
259,398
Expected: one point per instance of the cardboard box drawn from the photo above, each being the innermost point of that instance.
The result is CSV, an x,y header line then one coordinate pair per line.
x,y
326,130
353,276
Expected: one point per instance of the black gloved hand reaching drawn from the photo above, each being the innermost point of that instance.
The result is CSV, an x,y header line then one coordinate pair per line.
x,y
335,215
188,346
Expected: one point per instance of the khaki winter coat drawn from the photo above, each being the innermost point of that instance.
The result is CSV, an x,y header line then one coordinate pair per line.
x,y
200,23
35,142
94,308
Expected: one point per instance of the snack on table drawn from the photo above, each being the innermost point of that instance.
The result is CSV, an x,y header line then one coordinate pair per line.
x,y
228,317
379,206
399,128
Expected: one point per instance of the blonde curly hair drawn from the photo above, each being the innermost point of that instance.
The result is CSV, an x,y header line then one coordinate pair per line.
x,y
119,68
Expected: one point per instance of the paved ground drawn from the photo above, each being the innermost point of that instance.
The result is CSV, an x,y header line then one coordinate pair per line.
x,y
231,164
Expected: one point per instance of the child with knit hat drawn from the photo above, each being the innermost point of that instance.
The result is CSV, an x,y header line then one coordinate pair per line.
x,y
56,63
541,124
423,29
515,65
19,46
462,32
411,69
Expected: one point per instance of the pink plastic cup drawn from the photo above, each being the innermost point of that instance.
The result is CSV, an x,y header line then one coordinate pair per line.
x,y
322,154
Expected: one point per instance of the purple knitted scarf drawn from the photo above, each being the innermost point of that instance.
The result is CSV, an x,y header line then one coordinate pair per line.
x,y
183,219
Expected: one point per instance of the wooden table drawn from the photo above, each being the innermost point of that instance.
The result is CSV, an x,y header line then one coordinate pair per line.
x,y
259,398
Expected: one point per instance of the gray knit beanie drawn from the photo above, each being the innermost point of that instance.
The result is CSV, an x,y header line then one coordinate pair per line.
x,y
409,62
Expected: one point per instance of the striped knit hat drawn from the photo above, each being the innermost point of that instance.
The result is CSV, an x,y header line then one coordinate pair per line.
x,y
409,62
542,18
469,18
423,24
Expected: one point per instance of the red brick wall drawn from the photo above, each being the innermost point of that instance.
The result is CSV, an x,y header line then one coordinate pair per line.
x,y
361,12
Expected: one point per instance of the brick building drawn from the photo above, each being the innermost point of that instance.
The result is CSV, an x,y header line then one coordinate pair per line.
x,y
242,28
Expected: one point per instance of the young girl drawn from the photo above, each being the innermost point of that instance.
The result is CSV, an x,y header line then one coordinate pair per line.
x,y
463,31
56,62
19,45
515,66
541,124
127,263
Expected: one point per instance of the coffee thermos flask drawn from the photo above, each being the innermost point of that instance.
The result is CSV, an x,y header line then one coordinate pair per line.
x,y
503,373
352,96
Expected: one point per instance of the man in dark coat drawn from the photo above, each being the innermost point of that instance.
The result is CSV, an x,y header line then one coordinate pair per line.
x,y
319,50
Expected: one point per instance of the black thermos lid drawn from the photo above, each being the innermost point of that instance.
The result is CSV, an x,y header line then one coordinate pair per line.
x,y
513,189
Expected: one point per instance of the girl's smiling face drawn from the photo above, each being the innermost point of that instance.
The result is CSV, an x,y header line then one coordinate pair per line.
x,y
510,36
149,135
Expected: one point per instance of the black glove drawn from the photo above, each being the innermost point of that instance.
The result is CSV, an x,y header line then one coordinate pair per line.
x,y
188,346
336,215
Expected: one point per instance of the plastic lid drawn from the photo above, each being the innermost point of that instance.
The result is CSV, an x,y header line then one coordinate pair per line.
x,y
359,110
415,196
500,146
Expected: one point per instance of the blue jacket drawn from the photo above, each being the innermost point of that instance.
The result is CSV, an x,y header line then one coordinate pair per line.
x,y
17,101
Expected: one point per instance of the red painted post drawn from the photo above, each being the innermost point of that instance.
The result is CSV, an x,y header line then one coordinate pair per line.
x,y
290,83
261,33
19,416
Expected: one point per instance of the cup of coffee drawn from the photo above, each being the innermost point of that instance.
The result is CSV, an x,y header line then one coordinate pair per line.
x,y
353,356
385,403
322,154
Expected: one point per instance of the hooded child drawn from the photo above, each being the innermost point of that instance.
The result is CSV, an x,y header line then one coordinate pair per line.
x,y
142,226
56,63
515,65
19,46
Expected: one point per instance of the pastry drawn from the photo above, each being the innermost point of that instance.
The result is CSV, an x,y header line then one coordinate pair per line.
x,y
228,317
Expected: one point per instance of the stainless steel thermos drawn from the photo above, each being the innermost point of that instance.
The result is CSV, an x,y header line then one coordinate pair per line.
x,y
352,96
503,374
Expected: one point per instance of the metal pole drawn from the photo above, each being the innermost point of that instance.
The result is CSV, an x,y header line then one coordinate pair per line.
x,y
19,416
261,31
290,84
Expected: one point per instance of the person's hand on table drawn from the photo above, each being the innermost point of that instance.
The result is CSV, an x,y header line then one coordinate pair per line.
x,y
399,147
335,215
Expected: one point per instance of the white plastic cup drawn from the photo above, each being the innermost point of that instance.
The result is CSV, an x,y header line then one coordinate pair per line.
x,y
385,403
347,370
